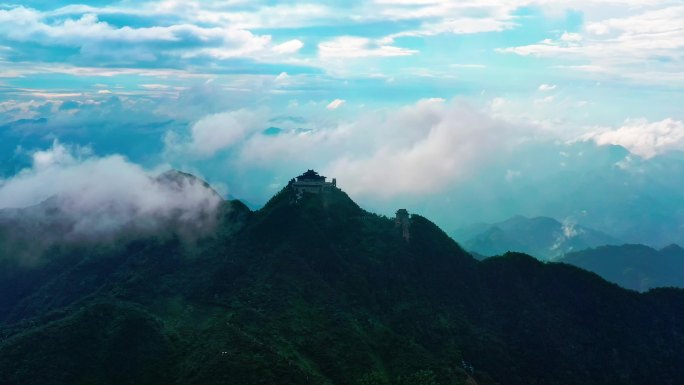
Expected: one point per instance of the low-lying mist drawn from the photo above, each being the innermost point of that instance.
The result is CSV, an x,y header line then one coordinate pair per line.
x,y
70,195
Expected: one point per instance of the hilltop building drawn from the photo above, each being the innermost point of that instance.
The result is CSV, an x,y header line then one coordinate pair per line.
x,y
311,182
402,220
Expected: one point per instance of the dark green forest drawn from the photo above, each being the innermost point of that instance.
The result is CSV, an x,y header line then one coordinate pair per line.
x,y
318,291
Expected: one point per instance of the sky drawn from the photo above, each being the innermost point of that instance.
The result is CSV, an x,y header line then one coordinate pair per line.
x,y
463,111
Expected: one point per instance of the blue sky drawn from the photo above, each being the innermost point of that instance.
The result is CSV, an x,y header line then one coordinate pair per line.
x,y
404,101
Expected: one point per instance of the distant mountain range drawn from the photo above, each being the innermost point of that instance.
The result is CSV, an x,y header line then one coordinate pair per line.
x,y
605,188
312,289
542,237
636,267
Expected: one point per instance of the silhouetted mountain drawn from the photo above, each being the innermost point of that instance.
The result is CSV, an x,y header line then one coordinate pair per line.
x,y
312,289
542,237
635,267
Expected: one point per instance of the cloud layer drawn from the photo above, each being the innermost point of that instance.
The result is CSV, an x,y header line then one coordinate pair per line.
x,y
643,138
210,36
98,40
416,149
99,196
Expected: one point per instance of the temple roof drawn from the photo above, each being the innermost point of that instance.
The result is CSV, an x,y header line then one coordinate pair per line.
x,y
311,175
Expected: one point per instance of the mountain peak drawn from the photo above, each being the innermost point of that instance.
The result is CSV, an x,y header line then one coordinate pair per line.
x,y
177,180
312,191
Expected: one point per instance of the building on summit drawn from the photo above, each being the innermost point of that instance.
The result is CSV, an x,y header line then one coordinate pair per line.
x,y
311,182
401,220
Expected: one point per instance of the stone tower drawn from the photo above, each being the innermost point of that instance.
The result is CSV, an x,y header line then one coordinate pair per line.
x,y
402,220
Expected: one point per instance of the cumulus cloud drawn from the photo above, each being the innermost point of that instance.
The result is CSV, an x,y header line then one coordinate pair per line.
x,y
417,149
449,141
100,42
641,137
546,87
460,26
222,130
290,46
646,32
359,47
182,34
101,196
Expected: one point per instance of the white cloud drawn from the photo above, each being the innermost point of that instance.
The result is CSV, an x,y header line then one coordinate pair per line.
x,y
498,103
445,142
643,138
616,32
288,47
261,16
571,37
102,195
154,86
335,104
25,69
220,131
418,149
454,17
546,47
456,26
99,39
359,47
643,33
446,16
546,87
57,155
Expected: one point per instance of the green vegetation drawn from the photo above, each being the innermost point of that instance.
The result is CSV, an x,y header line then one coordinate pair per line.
x,y
319,291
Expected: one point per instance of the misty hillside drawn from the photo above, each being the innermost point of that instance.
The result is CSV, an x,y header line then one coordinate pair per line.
x,y
312,289
542,237
635,267
171,201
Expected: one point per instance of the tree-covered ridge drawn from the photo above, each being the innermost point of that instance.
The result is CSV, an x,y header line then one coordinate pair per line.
x,y
317,290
